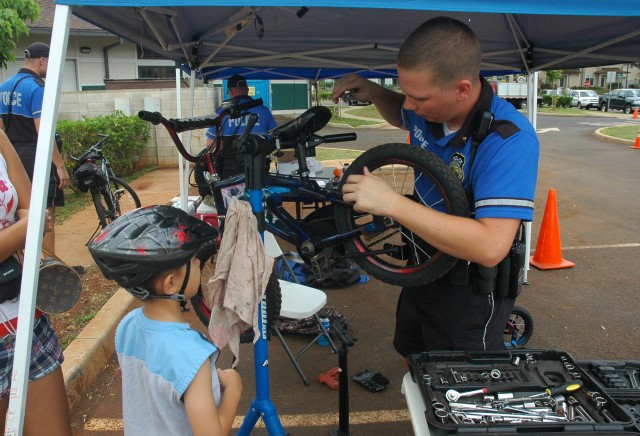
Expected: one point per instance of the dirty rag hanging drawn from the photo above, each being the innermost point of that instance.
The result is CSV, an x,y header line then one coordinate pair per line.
x,y
241,275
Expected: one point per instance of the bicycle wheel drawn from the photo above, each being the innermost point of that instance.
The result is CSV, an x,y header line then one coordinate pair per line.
x,y
519,328
112,202
126,198
102,203
384,249
203,311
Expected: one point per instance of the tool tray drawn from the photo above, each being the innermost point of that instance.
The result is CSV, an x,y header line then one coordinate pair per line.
x,y
522,373
614,376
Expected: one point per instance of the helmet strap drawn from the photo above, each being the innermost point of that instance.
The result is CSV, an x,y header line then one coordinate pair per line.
x,y
180,295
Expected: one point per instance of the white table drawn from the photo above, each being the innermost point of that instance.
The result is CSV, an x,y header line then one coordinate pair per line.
x,y
416,406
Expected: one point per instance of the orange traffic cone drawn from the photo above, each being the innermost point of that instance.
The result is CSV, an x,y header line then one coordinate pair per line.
x,y
548,254
637,144
635,114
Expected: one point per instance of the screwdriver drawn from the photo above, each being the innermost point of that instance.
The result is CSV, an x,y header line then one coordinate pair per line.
x,y
566,388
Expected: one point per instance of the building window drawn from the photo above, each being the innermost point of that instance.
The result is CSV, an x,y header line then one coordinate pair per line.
x,y
148,54
156,72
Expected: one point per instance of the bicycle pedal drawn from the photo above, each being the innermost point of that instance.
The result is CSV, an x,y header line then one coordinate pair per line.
x,y
320,267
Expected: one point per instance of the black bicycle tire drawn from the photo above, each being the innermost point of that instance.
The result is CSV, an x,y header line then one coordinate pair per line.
x,y
97,195
455,201
118,181
274,303
527,322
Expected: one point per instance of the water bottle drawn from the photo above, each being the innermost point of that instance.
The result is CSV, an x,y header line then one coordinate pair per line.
x,y
322,340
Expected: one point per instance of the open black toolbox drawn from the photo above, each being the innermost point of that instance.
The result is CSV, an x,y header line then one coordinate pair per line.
x,y
585,409
621,380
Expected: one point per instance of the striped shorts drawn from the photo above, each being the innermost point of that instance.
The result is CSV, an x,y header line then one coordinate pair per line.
x,y
46,354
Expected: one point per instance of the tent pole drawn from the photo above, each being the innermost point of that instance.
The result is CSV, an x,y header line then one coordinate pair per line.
x,y
181,161
532,112
185,181
31,271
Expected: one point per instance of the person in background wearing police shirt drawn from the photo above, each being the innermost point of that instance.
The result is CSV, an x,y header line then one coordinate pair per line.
x,y
21,99
229,163
444,104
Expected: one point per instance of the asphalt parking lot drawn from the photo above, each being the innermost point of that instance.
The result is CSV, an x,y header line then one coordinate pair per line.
x,y
589,310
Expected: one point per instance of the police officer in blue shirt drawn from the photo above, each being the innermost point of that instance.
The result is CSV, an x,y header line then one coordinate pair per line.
x,y
443,98
20,109
231,163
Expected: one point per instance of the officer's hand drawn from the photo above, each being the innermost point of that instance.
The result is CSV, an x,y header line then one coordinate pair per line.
x,y
369,194
352,81
63,176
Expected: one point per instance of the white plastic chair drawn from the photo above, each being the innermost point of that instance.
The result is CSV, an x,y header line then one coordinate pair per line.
x,y
298,302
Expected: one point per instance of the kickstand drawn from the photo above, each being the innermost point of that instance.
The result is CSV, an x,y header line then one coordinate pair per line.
x,y
347,341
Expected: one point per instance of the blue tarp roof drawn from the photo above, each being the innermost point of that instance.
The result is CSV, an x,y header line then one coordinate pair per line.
x,y
334,37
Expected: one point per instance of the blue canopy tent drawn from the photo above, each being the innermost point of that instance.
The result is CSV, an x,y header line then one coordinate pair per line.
x,y
325,38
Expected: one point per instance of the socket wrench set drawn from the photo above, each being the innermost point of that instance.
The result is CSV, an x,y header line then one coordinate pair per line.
x,y
512,392
621,380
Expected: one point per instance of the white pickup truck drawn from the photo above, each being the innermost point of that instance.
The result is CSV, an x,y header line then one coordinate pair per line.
x,y
514,93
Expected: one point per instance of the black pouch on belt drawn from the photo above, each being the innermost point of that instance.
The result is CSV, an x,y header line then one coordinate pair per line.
x,y
483,278
10,274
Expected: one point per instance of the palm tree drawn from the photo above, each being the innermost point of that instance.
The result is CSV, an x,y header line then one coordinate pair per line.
x,y
552,78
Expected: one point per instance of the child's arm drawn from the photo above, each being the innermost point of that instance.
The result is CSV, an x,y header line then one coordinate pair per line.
x,y
205,418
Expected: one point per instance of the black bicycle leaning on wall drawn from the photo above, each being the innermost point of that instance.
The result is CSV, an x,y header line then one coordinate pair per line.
x,y
111,195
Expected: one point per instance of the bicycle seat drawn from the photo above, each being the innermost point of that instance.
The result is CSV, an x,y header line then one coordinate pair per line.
x,y
312,120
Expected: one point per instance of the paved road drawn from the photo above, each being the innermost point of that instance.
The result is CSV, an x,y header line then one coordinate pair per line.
x,y
590,310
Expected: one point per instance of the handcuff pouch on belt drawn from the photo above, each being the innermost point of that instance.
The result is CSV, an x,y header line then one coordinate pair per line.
x,y
504,280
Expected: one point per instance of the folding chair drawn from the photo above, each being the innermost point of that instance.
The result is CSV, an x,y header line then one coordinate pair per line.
x,y
298,302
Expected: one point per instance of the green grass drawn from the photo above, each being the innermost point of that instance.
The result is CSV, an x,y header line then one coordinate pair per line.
x,y
622,132
367,111
354,122
336,154
563,111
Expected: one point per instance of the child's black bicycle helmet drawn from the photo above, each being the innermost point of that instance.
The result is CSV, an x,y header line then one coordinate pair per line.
x,y
140,244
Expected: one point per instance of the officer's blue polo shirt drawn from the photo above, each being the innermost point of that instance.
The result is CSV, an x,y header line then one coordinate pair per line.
x,y
504,171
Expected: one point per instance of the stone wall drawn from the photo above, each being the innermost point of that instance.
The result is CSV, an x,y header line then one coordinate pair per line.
x,y
160,150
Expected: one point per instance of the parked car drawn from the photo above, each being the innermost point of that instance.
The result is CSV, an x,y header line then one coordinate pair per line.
x,y
625,100
584,99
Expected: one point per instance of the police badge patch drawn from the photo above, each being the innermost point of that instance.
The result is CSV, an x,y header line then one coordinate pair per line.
x,y
457,165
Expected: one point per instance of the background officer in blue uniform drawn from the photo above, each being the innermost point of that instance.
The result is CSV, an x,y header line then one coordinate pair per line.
x,y
20,109
443,98
231,162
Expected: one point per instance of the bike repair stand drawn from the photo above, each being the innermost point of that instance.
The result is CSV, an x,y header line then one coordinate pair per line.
x,y
347,341
261,405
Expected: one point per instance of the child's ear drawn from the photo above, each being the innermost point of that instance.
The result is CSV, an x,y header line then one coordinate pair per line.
x,y
168,283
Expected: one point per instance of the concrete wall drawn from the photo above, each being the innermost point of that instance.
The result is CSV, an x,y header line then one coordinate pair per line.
x,y
160,151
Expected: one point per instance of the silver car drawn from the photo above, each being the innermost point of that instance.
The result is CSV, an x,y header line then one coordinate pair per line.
x,y
584,99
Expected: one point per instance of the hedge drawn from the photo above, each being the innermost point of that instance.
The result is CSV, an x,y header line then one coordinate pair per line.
x,y
128,136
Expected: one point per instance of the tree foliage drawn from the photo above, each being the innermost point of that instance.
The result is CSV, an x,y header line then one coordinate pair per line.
x,y
128,136
13,14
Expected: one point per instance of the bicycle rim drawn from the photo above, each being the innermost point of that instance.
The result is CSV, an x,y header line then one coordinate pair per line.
x,y
388,251
125,198
519,328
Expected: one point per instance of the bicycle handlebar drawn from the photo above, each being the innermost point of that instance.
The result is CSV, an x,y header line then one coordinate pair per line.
x,y
97,147
233,110
340,137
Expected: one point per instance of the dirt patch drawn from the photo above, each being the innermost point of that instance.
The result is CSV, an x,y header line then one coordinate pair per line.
x,y
96,291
